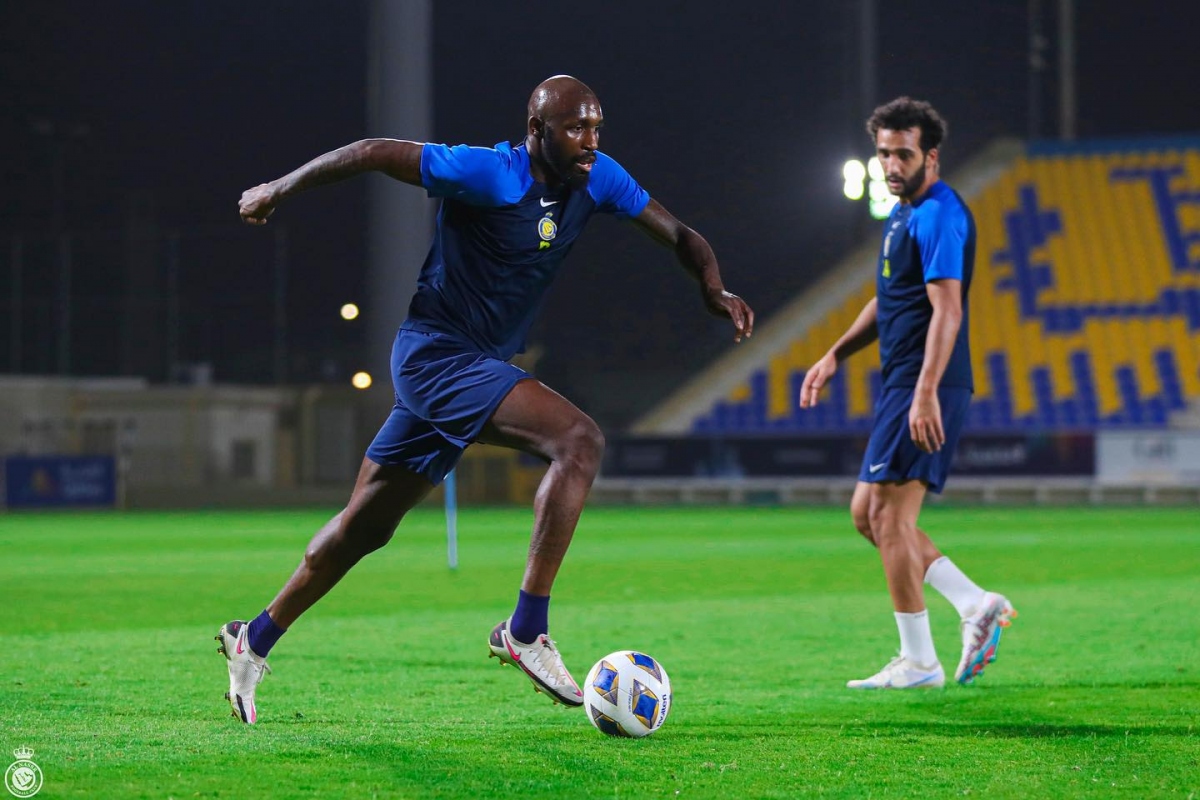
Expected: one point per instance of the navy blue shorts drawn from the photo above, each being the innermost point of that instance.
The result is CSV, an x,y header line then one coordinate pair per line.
x,y
446,391
891,454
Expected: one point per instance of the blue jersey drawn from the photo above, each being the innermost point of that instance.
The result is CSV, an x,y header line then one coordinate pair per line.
x,y
923,241
500,238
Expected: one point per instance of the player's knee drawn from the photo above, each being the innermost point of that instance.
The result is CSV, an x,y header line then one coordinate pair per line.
x,y
583,446
354,538
888,524
862,522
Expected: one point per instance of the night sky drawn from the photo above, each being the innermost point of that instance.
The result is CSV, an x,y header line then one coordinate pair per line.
x,y
737,117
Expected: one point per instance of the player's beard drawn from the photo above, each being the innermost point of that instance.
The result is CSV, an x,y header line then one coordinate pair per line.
x,y
909,187
566,169
574,179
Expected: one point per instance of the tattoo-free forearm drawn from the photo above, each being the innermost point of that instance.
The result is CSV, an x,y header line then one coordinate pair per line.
x,y
862,332
939,345
399,159
697,257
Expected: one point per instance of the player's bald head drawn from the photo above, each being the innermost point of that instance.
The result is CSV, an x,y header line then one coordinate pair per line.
x,y
559,95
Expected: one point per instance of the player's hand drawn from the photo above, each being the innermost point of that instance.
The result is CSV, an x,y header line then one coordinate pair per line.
x,y
257,204
725,304
815,379
925,422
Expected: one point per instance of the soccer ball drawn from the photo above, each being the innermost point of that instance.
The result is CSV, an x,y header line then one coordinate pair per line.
x,y
627,693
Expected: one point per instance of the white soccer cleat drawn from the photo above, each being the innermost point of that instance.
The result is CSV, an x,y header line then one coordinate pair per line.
x,y
246,669
901,673
540,662
981,636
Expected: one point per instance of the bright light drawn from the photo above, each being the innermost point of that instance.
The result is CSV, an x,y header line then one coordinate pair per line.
x,y
854,172
361,380
350,311
882,207
875,169
881,200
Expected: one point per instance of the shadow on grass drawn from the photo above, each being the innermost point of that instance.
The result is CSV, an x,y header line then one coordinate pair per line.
x,y
1089,685
1003,730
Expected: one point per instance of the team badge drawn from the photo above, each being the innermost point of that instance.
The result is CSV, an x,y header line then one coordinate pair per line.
x,y
547,229
23,778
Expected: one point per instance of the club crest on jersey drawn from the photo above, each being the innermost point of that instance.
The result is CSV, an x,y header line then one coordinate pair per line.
x,y
547,230
887,250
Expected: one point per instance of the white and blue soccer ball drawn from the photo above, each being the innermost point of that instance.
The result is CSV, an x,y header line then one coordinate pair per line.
x,y
627,693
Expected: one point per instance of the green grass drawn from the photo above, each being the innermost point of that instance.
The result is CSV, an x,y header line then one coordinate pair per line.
x,y
759,615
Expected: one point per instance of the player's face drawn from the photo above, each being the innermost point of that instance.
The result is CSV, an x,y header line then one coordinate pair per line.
x,y
570,141
904,163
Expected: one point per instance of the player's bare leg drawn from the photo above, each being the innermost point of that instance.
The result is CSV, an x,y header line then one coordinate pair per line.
x,y
892,510
983,614
381,498
860,512
537,420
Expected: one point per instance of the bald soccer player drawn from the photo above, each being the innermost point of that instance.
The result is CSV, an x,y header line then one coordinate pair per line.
x,y
508,217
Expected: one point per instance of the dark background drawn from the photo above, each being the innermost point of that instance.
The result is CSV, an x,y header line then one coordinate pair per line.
x,y
735,116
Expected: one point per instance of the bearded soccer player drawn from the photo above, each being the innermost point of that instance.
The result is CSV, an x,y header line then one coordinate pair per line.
x,y
919,316
509,216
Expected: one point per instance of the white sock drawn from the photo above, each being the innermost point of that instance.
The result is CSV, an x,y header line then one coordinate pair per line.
x,y
916,641
955,586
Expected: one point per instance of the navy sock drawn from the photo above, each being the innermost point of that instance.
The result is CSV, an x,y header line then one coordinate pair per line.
x,y
263,634
529,621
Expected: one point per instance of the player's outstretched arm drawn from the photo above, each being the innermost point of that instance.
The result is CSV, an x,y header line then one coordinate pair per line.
x,y
394,157
697,257
863,331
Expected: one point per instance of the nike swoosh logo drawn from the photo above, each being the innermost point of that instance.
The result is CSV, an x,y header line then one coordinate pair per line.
x,y
545,204
515,655
926,679
876,467
239,646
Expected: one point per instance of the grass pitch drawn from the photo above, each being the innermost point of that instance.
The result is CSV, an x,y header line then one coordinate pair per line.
x,y
759,615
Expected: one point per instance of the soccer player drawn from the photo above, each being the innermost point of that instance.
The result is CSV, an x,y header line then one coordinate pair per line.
x,y
919,316
508,217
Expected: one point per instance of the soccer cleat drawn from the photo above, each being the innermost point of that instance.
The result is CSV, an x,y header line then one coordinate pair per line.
x,y
981,636
246,669
901,673
540,662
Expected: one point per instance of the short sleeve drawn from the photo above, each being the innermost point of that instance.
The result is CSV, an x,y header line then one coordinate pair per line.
x,y
942,237
480,176
614,190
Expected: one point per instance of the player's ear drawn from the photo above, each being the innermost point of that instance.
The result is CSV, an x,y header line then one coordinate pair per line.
x,y
537,127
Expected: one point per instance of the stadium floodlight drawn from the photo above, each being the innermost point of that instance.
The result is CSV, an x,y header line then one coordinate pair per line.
x,y
361,380
881,200
853,172
349,311
875,169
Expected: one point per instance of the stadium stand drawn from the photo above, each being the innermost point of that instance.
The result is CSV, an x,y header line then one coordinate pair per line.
x,y
1085,305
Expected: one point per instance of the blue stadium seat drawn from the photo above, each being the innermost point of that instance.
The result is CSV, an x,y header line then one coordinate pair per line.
x,y
1128,387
